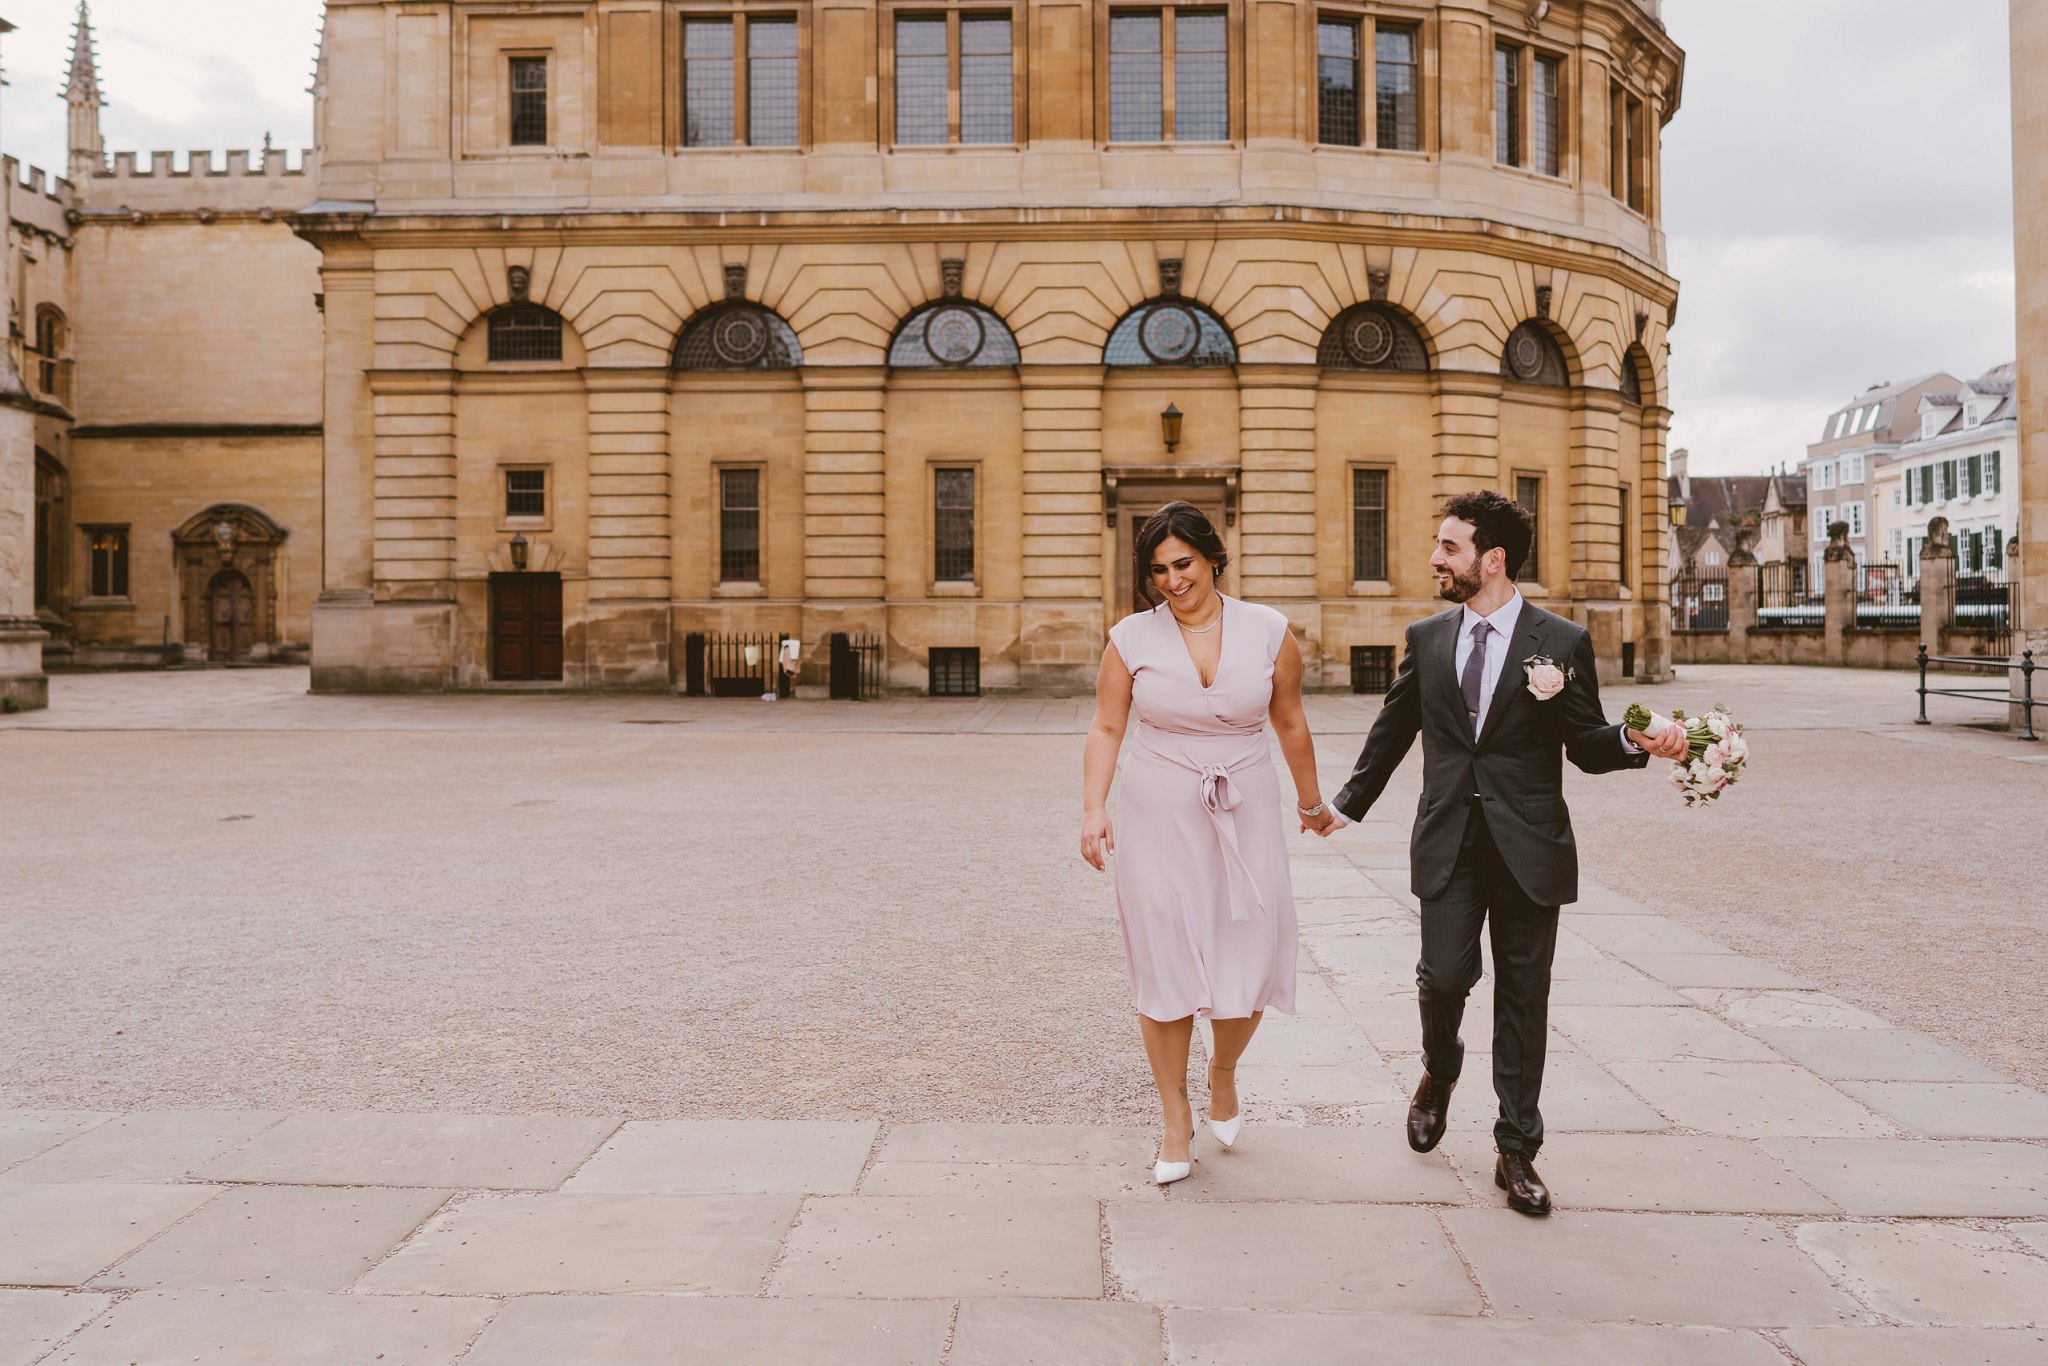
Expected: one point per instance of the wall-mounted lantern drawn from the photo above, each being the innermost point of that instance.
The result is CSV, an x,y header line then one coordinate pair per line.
x,y
1169,427
518,549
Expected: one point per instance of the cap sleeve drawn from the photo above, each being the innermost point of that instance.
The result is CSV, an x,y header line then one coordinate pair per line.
x,y
1276,631
1126,636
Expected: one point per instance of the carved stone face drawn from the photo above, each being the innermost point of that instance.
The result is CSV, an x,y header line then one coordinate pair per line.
x,y
519,280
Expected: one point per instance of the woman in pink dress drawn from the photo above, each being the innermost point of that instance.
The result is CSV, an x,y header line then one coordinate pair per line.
x,y
1201,855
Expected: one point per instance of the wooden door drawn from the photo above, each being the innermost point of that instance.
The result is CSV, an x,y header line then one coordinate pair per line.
x,y
1132,511
231,607
526,626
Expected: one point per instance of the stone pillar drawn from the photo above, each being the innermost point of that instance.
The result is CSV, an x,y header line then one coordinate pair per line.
x,y
626,631
23,686
2029,48
1276,534
1467,433
843,532
1741,603
1594,493
1838,578
1937,571
1651,580
1060,629
343,629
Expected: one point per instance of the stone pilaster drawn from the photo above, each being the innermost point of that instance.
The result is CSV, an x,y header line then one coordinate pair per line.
x,y
843,518
1276,532
1650,576
1937,583
1838,581
22,682
1467,452
1060,630
631,570
1595,494
413,508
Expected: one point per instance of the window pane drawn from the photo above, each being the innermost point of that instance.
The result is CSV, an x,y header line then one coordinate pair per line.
x,y
920,81
1507,105
1529,493
1398,87
1369,524
526,493
1137,79
529,101
1337,83
1201,77
953,525
707,83
771,83
525,332
1549,112
1627,577
739,526
987,104
1632,128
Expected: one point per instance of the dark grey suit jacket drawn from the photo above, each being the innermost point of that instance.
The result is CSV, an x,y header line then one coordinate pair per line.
x,y
1515,765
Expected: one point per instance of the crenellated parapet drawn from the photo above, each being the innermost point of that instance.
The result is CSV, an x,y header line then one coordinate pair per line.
x,y
41,201
268,181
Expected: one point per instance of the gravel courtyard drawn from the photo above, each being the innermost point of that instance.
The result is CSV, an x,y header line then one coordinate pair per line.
x,y
223,892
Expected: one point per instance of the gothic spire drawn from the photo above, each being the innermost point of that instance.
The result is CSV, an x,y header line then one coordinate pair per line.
x,y
82,93
84,81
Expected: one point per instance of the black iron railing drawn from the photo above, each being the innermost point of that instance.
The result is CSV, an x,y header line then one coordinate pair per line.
x,y
733,665
1884,602
1699,601
2025,701
1783,602
856,667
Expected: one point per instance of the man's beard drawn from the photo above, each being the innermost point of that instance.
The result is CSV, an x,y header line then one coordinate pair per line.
x,y
1460,588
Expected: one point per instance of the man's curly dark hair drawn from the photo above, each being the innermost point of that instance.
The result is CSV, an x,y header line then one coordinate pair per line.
x,y
1497,520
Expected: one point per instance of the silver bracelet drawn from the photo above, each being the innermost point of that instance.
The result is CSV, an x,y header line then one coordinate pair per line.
x,y
1315,810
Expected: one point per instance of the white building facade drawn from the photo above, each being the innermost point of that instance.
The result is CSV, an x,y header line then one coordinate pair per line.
x,y
1964,466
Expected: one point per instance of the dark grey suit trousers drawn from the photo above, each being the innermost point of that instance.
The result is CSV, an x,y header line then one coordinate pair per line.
x,y
1483,892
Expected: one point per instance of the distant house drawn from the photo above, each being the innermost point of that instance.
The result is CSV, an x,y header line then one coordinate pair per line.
x,y
1964,465
1765,513
1858,443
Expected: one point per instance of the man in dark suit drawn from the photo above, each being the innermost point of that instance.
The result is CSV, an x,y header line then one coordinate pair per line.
x,y
1501,692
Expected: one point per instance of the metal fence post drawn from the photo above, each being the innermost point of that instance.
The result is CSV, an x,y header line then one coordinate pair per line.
x,y
1922,720
2026,695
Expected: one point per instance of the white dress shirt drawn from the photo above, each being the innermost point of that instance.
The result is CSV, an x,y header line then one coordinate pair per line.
x,y
1503,623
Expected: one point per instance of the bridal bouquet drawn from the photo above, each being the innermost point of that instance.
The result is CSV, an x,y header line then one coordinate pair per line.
x,y
1718,751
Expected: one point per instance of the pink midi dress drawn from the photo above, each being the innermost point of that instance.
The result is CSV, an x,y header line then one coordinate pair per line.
x,y
1202,885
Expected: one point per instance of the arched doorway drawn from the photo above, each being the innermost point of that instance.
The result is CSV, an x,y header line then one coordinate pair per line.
x,y
231,608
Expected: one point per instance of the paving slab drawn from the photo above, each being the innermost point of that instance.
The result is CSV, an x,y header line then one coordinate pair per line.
x,y
1655,1033
149,1146
478,1152
1876,1055
1088,1181
1314,1000
1714,970
62,1235
1295,1041
1235,1337
1039,1144
34,1321
1352,1084
649,1330
1577,1095
1597,900
1591,1266
24,1133
1371,1165
711,1157
1784,1009
279,1238
282,1328
1639,990
591,1244
1957,1109
1056,1333
1682,1173
1749,1099
1865,1346
2033,1235
921,1247
1934,1274
1200,1254
1630,935
1922,1178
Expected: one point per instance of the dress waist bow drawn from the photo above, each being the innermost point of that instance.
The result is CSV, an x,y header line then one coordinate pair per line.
x,y
1220,797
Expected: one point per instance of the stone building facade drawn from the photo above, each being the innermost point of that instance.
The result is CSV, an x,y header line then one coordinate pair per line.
x,y
803,318
653,320
2030,252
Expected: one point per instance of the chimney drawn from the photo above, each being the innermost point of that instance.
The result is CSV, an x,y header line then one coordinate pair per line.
x,y
1678,460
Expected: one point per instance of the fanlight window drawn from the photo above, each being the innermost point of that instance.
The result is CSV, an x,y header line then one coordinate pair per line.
x,y
953,335
1372,337
526,332
1170,332
1532,357
1633,367
738,336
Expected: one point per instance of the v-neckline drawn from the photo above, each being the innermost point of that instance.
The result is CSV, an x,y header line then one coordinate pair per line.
x,y
1222,630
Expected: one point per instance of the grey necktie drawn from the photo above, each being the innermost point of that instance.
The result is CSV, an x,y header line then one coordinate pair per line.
x,y
1475,670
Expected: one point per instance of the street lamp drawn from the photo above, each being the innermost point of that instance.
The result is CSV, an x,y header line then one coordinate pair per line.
x,y
1169,427
1678,512
518,548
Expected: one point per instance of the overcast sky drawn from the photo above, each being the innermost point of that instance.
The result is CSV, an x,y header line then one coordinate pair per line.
x,y
1837,183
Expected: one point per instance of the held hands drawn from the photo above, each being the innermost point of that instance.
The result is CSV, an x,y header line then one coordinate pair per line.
x,y
1326,822
1675,744
1096,838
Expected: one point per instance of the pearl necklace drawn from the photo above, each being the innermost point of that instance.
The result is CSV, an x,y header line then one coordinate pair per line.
x,y
1201,630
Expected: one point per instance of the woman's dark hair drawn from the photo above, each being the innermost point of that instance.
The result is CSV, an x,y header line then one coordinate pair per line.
x,y
1497,520
1183,522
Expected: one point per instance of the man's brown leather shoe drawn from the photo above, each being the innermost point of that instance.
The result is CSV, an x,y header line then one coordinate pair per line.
x,y
1428,1113
1516,1174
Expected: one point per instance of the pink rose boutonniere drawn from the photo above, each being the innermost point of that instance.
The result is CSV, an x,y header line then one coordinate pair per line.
x,y
1546,680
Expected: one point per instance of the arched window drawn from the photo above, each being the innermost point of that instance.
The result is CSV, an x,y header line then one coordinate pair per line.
x,y
1532,356
955,335
53,339
1372,337
1169,332
738,336
1635,368
525,332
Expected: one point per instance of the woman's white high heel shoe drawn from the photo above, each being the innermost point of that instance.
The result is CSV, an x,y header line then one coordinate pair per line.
x,y
1166,1173
1226,1129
